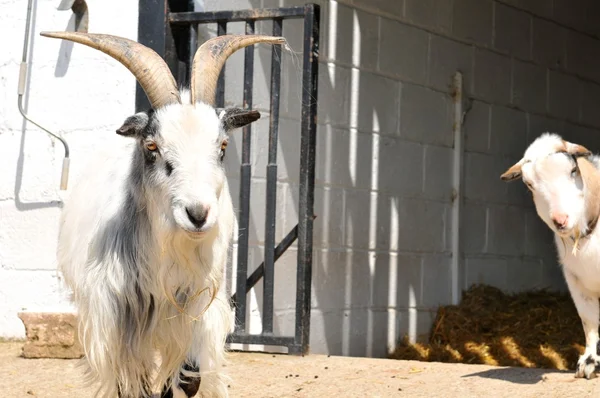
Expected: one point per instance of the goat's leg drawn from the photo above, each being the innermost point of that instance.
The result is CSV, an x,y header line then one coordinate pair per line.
x,y
589,312
185,385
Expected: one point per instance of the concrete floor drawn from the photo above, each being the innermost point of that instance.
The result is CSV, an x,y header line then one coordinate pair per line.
x,y
266,375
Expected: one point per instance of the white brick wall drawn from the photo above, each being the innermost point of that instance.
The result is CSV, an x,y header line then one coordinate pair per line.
x,y
75,91
383,197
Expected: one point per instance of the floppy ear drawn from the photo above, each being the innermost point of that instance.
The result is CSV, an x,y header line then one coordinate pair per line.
x,y
577,150
513,172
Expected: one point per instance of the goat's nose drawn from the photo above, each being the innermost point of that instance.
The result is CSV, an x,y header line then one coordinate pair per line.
x,y
197,215
560,220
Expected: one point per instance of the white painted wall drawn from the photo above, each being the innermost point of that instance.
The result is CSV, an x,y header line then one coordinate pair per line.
x,y
75,91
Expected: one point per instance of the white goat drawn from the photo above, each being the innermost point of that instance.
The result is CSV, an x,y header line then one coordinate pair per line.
x,y
564,179
145,235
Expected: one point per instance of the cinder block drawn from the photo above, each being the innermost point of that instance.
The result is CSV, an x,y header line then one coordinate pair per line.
x,y
591,22
284,292
28,242
590,104
432,14
329,227
341,280
475,223
51,335
491,80
524,274
554,277
357,217
564,97
334,95
508,131
392,8
333,157
367,26
542,124
378,104
579,47
403,51
423,226
396,154
530,86
571,13
447,56
477,127
426,116
258,212
437,280
549,43
288,149
585,136
538,7
512,31
506,233
489,271
473,21
482,177
438,172
397,281
539,238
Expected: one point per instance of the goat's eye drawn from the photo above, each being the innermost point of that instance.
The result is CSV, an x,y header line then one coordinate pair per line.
x,y
574,172
151,146
222,151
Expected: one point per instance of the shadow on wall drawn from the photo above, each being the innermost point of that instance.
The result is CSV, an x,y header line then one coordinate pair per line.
x,y
369,246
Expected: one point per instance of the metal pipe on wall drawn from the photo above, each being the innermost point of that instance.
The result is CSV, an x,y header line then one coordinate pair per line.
x,y
21,92
457,192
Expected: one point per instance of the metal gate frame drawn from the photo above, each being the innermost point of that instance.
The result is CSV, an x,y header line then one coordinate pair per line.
x,y
171,29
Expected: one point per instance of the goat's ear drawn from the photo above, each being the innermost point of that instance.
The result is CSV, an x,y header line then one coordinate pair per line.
x,y
234,118
577,150
513,172
134,125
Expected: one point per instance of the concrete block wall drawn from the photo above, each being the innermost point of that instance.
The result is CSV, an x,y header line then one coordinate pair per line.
x,y
384,155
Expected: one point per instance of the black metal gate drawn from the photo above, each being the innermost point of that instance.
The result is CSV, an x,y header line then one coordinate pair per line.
x,y
171,29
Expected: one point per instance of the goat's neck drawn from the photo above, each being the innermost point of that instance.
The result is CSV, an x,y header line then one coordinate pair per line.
x,y
591,180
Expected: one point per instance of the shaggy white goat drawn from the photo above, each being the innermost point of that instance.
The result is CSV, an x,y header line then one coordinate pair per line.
x,y
145,234
564,179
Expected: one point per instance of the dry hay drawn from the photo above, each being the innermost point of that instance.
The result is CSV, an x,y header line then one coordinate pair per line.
x,y
538,329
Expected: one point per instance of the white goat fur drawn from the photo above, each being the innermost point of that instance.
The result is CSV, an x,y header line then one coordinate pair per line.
x,y
556,190
140,281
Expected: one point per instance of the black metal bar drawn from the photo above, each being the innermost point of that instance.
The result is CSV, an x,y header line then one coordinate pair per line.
x,y
246,172
220,100
236,16
193,45
260,339
271,186
152,32
307,175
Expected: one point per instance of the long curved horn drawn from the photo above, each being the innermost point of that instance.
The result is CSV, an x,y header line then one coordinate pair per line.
x,y
210,58
145,64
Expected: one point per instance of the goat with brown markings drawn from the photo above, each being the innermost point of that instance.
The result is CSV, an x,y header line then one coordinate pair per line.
x,y
564,180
